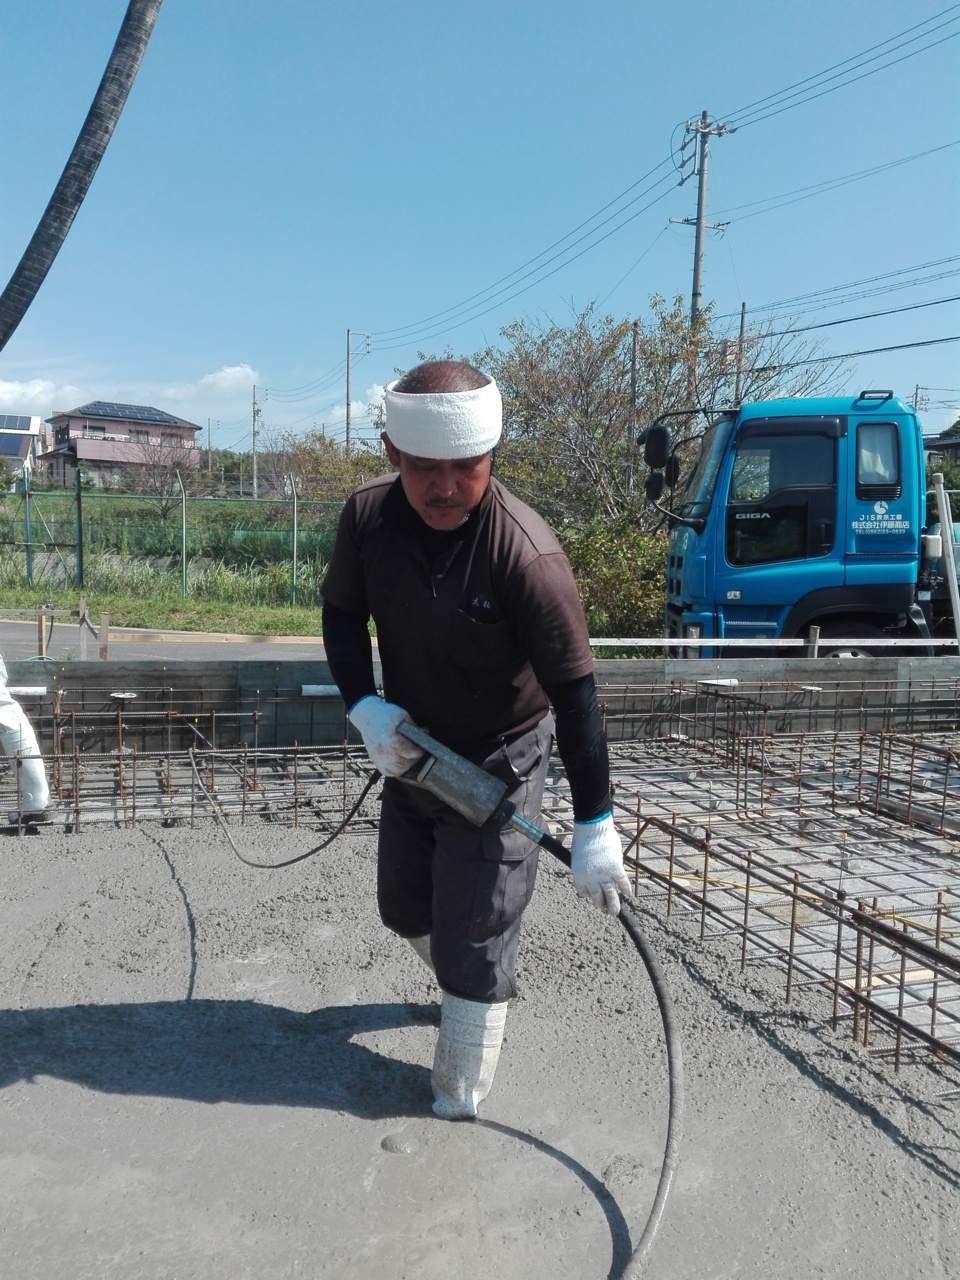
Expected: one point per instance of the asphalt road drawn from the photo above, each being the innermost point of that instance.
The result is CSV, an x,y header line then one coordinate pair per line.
x,y
20,639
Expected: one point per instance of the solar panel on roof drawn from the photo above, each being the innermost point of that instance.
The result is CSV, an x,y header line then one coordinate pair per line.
x,y
125,412
11,443
14,422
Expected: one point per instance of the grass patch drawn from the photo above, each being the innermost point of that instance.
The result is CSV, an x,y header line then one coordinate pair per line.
x,y
242,599
175,614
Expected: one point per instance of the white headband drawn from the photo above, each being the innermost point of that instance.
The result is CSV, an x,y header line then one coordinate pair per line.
x,y
444,424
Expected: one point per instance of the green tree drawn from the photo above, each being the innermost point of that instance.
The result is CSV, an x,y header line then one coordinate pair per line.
x,y
159,469
620,574
566,393
325,471
574,407
950,470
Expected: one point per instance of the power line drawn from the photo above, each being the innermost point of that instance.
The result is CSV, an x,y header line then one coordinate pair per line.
x,y
560,252
812,97
873,351
802,90
872,315
879,278
636,264
475,315
837,65
829,184
504,280
462,313
881,290
310,387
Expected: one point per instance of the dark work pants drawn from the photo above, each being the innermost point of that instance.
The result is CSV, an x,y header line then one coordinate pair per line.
x,y
466,886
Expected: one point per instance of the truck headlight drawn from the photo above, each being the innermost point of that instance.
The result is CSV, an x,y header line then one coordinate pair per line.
x,y
693,631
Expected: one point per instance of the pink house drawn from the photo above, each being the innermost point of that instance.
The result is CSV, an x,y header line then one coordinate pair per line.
x,y
104,440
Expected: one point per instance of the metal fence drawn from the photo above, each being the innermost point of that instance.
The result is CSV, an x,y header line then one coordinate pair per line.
x,y
60,538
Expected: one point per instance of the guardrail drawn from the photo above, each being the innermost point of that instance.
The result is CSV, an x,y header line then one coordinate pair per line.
x,y
808,646
687,647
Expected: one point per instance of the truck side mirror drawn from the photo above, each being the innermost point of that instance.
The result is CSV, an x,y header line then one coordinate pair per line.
x,y
656,446
672,470
653,485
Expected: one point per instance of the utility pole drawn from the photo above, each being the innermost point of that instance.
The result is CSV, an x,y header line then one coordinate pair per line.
x,y
366,351
347,435
632,424
254,444
740,341
696,293
209,452
701,131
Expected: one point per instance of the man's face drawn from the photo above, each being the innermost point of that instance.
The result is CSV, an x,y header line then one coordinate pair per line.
x,y
442,492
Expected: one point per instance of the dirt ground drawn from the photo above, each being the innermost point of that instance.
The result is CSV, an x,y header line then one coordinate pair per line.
x,y
213,1071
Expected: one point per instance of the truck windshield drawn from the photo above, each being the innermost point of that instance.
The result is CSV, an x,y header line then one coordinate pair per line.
x,y
696,492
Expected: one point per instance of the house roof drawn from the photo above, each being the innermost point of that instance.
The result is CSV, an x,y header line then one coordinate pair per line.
x,y
19,423
15,444
109,411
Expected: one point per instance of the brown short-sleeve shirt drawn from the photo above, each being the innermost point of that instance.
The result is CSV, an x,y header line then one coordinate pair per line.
x,y
468,639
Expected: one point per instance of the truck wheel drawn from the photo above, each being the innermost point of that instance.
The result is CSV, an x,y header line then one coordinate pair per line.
x,y
850,640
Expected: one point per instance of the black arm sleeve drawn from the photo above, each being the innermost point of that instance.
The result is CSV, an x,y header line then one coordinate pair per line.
x,y
582,745
349,651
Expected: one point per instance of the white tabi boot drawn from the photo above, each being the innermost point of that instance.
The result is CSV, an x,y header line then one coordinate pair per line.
x,y
421,946
468,1050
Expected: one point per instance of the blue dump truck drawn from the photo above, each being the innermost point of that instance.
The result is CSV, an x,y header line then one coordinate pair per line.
x,y
797,514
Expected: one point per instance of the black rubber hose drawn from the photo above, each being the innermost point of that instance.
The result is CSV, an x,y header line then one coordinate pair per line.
x,y
275,866
671,1154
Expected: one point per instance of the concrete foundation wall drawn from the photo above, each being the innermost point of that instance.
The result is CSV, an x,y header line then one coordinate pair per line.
x,y
261,703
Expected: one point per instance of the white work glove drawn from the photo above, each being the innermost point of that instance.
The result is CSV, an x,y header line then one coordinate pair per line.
x,y
596,860
391,753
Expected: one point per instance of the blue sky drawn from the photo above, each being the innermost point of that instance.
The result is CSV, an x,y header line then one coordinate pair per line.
x,y
286,170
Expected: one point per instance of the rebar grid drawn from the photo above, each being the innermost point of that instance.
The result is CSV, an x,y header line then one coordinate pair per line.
x,y
787,846
818,825
720,706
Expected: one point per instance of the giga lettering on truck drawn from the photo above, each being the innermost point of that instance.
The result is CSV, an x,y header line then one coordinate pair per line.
x,y
800,513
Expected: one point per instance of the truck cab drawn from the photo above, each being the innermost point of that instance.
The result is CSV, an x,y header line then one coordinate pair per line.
x,y
796,513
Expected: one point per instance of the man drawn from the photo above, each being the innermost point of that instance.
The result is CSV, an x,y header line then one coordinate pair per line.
x,y
480,629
